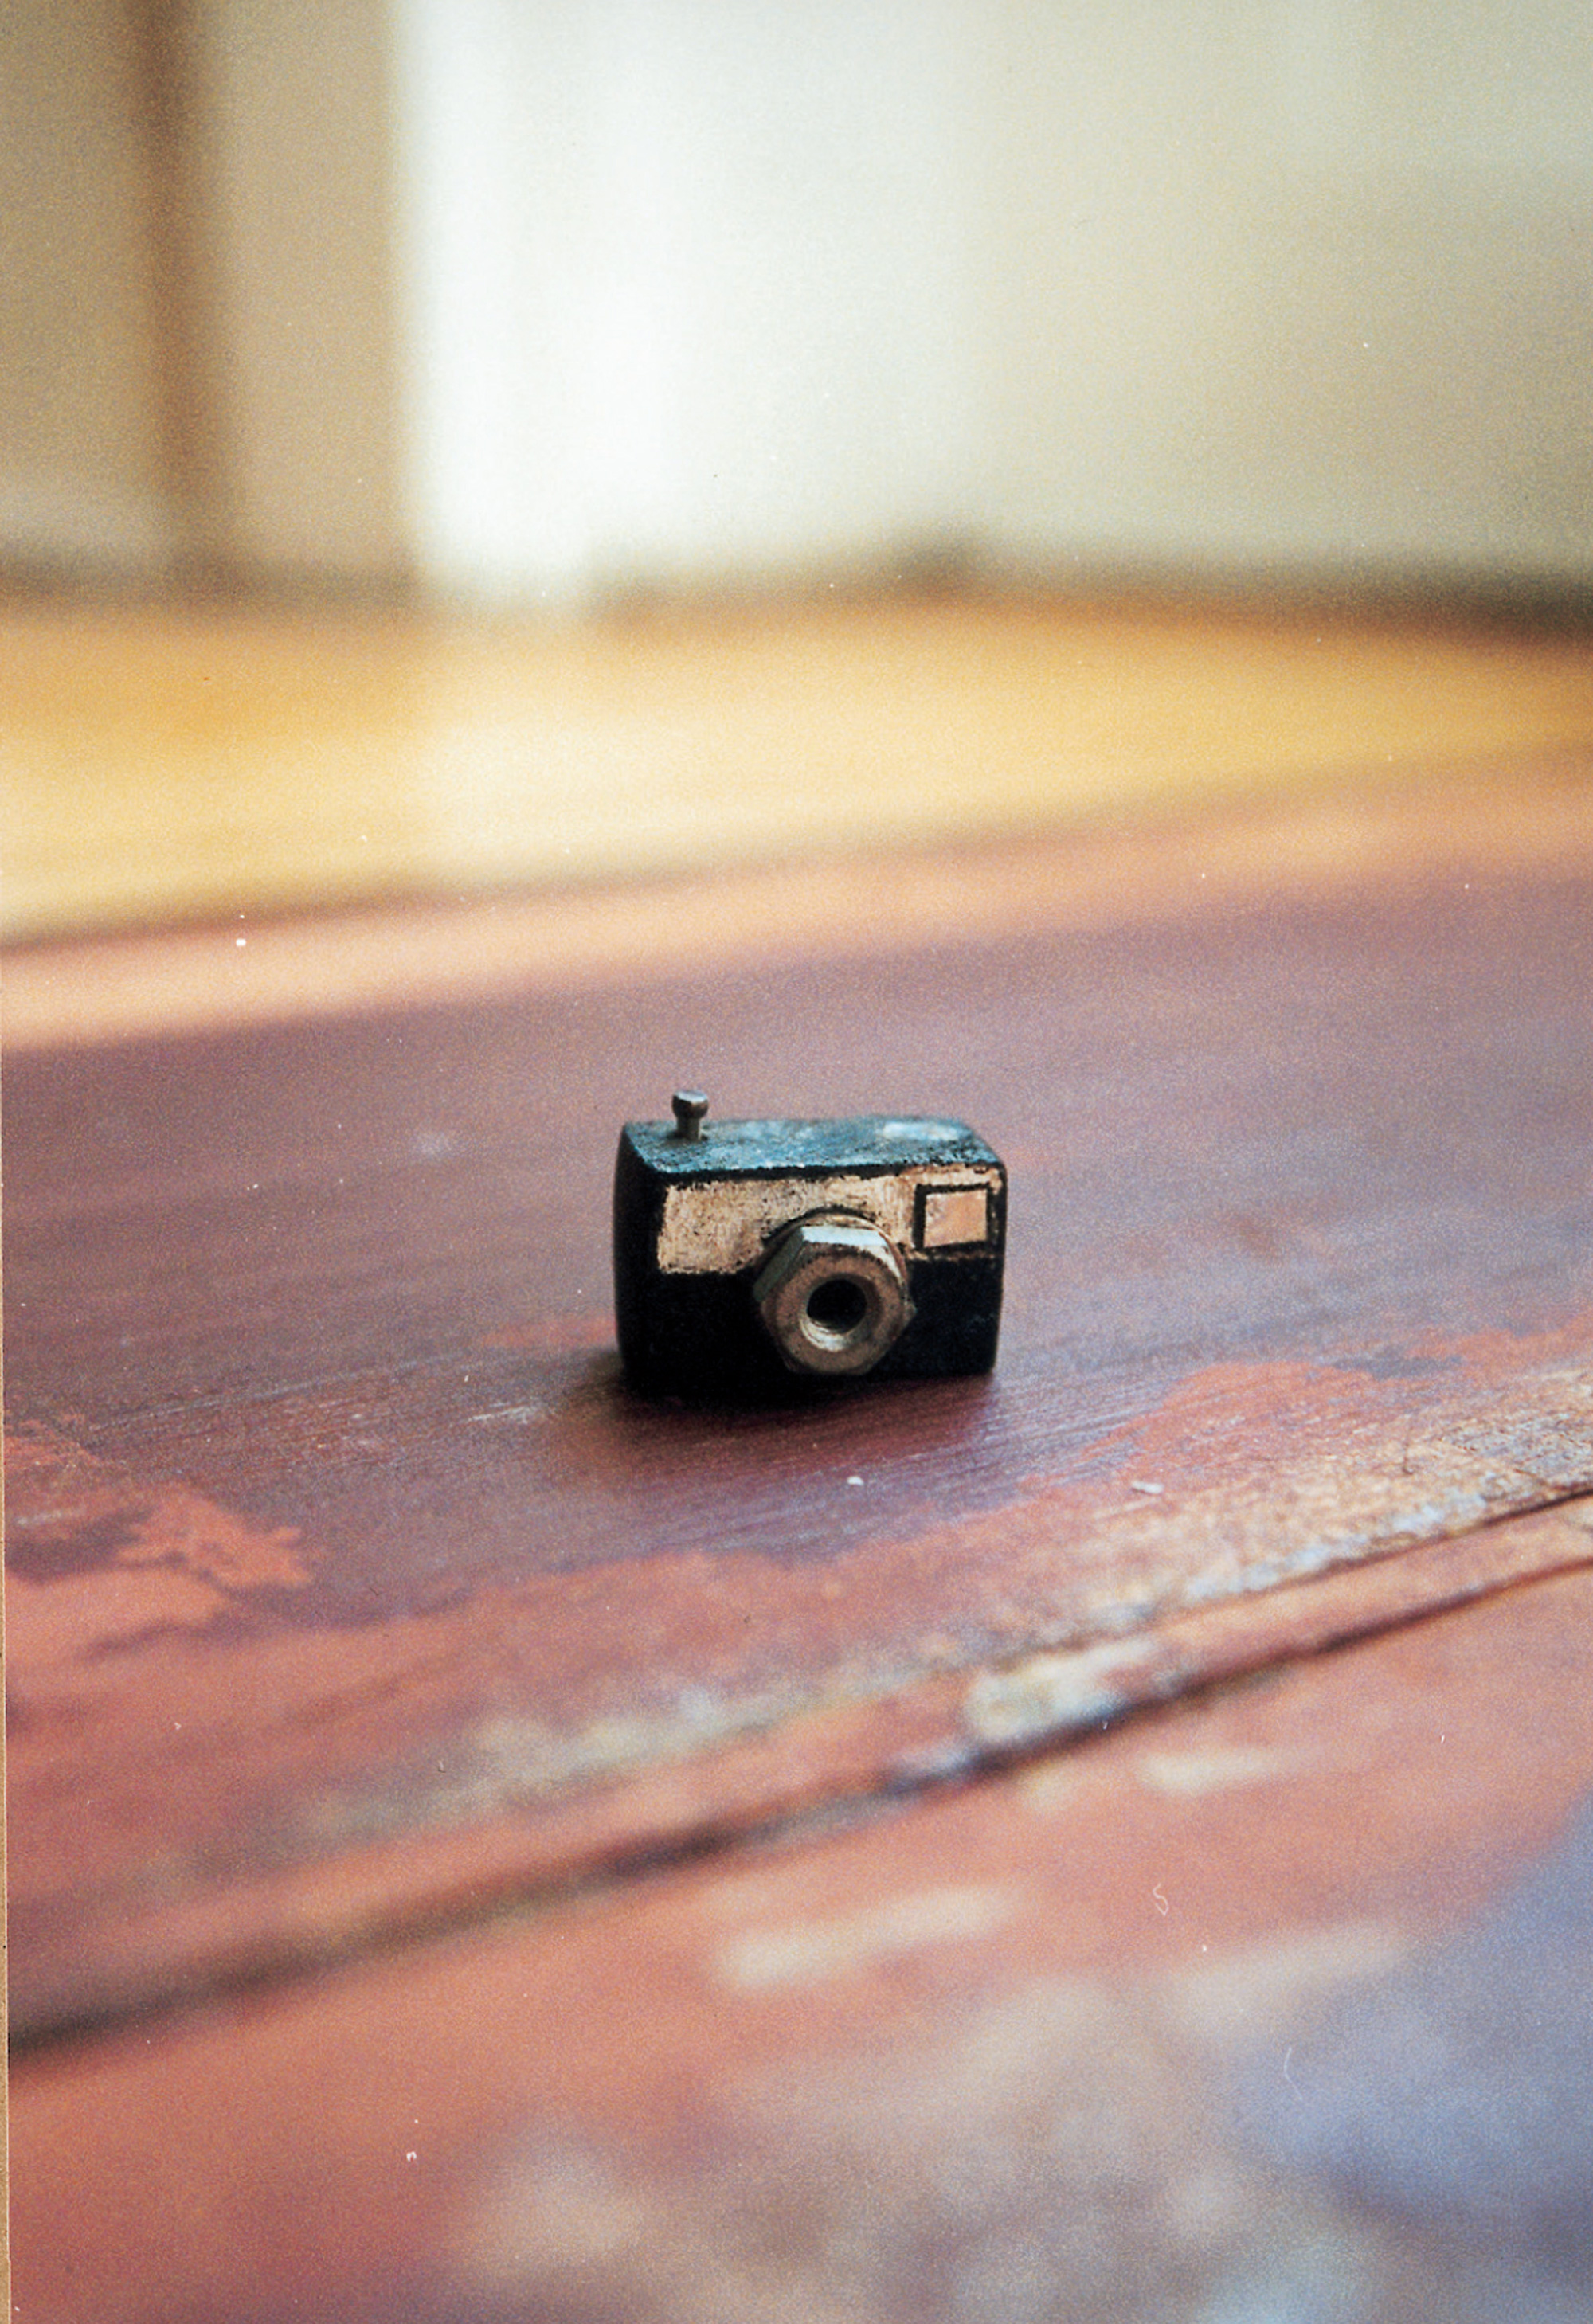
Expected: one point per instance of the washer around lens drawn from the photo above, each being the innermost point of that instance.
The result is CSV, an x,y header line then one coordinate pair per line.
x,y
833,1295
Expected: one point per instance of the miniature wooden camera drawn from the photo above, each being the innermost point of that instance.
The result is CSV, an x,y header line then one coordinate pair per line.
x,y
752,1256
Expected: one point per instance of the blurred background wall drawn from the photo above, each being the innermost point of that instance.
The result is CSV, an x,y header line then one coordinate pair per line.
x,y
537,301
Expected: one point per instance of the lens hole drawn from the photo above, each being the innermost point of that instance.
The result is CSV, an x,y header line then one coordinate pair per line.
x,y
839,1305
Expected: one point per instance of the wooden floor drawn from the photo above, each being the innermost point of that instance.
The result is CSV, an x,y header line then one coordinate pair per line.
x,y
1105,1843
160,765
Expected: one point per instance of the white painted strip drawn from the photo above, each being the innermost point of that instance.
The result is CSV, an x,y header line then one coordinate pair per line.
x,y
810,1952
720,1226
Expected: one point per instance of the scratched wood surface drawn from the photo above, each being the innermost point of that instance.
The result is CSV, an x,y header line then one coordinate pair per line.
x,y
351,1590
489,1849
482,1847
1070,2043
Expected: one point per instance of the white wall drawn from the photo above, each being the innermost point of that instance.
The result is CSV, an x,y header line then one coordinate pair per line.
x,y
82,452
544,298
692,283
291,166
1307,281
710,287
196,289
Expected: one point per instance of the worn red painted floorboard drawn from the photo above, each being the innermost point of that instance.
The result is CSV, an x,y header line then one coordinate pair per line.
x,y
1067,2042
334,1529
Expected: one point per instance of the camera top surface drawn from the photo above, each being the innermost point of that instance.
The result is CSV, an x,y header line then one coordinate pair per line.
x,y
863,1144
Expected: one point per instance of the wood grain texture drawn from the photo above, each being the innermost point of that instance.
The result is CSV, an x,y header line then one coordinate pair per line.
x,y
334,1529
161,764
1338,842
1019,2041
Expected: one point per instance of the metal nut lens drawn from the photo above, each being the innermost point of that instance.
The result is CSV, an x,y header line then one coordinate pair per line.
x,y
832,1295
